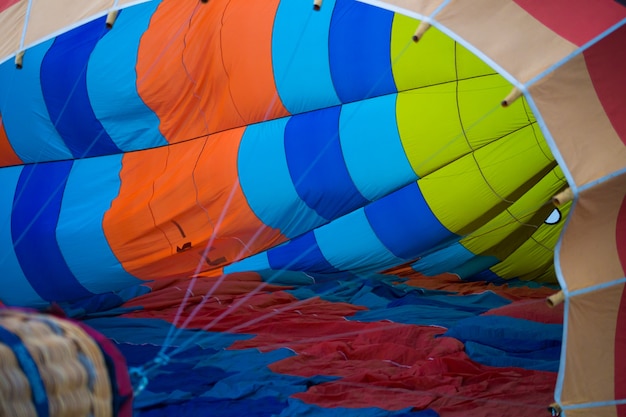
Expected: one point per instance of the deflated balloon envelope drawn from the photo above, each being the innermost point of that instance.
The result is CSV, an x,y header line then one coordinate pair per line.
x,y
271,146
190,137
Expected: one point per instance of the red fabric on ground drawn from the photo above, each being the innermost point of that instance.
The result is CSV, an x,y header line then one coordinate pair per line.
x,y
534,310
408,366
240,299
451,282
379,364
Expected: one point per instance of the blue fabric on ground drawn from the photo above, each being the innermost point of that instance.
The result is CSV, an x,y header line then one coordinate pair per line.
x,y
541,360
412,314
298,408
432,309
153,331
218,375
371,291
472,303
506,341
202,406
104,304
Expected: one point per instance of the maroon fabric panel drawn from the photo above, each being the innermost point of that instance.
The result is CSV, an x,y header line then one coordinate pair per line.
x,y
578,21
5,4
606,63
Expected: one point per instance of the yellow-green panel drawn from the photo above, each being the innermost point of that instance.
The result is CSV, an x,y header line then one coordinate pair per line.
x,y
469,65
435,59
507,231
510,163
468,192
420,64
429,127
483,118
535,252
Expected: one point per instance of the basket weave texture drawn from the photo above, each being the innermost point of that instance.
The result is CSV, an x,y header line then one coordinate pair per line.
x,y
69,363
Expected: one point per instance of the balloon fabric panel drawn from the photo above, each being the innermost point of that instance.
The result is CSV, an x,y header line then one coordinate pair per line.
x,y
151,231
64,87
33,231
238,38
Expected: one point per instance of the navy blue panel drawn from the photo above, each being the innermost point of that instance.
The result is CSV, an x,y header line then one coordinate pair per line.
x,y
64,86
316,164
299,254
30,369
405,224
34,218
359,51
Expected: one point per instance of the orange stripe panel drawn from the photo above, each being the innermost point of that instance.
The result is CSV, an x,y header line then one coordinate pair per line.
x,y
205,68
172,200
8,156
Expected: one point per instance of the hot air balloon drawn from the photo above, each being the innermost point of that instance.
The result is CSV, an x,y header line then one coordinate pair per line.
x,y
286,208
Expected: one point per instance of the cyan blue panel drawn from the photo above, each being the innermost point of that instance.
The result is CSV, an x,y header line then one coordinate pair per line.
x,y
258,262
91,187
300,56
360,58
372,148
14,287
33,224
350,244
443,260
299,254
64,84
478,264
405,224
33,139
136,126
316,164
262,166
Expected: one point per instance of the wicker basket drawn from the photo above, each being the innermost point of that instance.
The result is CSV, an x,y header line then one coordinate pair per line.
x,y
48,363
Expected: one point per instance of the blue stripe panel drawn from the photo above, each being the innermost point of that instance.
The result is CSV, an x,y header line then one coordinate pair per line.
x,y
372,148
114,98
300,254
360,57
33,224
64,83
91,187
263,167
443,260
405,224
258,262
349,244
24,112
316,164
300,56
30,369
14,287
